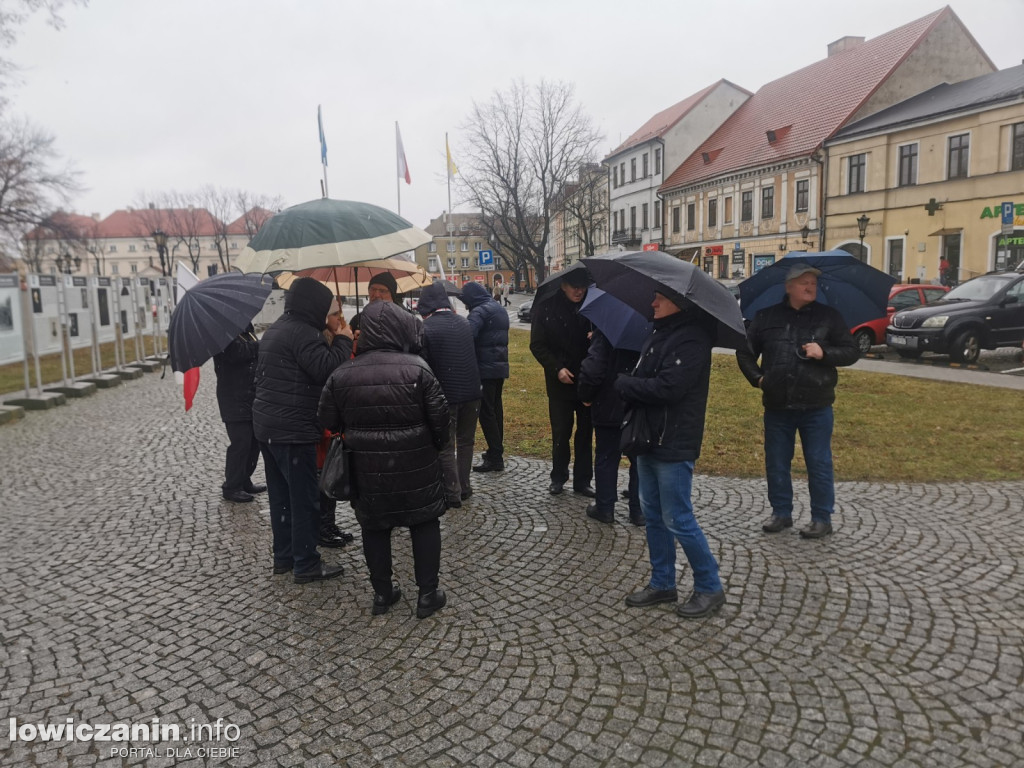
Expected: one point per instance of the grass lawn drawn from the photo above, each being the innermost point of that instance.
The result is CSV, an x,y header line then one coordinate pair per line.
x,y
888,428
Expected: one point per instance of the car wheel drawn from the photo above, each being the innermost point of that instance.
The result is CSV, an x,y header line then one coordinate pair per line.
x,y
966,347
909,354
865,339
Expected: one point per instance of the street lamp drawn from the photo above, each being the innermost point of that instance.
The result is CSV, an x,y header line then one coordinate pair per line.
x,y
804,234
65,263
160,238
546,274
862,227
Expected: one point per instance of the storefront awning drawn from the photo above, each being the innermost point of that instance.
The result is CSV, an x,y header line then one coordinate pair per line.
x,y
686,253
947,231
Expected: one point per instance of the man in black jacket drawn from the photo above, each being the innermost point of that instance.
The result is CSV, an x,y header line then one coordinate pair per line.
x,y
559,337
489,322
800,343
448,350
236,388
295,362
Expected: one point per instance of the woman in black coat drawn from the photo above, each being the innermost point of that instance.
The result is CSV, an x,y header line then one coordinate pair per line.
x,y
390,408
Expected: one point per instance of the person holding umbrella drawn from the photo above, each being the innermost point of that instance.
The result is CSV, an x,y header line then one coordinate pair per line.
x,y
236,389
794,348
294,363
559,337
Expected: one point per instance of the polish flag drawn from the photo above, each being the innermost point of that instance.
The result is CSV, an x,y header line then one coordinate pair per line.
x,y
189,380
403,166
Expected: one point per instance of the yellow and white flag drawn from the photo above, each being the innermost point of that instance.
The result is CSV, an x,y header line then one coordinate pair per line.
x,y
452,169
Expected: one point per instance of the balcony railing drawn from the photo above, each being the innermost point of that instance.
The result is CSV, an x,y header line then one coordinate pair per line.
x,y
625,236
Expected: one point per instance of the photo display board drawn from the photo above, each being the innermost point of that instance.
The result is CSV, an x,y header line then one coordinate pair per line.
x,y
12,338
44,308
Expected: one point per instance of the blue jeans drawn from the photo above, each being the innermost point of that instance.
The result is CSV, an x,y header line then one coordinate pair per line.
x,y
815,428
294,503
665,488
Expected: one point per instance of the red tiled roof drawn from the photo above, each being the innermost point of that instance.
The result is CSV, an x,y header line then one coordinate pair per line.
x,y
661,122
815,101
142,222
257,216
67,225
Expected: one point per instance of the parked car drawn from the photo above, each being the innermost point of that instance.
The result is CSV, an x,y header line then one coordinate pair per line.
x,y
525,309
983,313
902,296
732,286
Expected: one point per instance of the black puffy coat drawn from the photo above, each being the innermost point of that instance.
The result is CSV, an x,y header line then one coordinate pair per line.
x,y
559,339
671,383
448,346
390,408
490,325
596,384
791,382
236,377
294,362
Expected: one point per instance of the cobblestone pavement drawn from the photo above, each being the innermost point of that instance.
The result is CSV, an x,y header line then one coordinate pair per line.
x,y
132,592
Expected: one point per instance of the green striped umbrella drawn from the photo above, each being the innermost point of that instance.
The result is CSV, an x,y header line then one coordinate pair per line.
x,y
328,233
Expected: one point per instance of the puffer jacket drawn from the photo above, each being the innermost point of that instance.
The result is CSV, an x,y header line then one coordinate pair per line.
x,y
792,382
390,408
559,339
490,325
294,362
596,384
671,383
448,346
236,377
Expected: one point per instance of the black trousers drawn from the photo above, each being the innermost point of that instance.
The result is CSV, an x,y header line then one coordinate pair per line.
x,y
606,473
492,419
562,413
242,455
426,556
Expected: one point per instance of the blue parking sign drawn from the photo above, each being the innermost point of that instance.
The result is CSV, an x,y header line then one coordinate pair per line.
x,y
485,258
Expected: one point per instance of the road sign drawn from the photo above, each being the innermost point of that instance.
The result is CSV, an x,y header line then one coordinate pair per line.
x,y
1007,209
485,259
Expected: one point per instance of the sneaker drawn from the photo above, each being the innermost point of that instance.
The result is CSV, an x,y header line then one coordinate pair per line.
x,y
651,596
701,604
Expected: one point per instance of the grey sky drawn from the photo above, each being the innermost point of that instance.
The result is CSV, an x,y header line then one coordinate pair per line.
x,y
160,95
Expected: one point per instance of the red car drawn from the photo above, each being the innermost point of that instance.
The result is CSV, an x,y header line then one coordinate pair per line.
x,y
902,296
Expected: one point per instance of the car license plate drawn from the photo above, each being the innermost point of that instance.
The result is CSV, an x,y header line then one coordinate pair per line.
x,y
902,341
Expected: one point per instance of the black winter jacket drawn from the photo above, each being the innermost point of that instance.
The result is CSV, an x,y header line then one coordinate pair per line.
x,y
490,324
390,408
558,339
448,347
776,336
596,383
294,362
671,383
236,377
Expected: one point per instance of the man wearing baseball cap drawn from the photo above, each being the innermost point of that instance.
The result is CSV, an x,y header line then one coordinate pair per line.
x,y
793,351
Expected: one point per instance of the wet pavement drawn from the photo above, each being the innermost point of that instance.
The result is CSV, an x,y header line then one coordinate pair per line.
x,y
133,592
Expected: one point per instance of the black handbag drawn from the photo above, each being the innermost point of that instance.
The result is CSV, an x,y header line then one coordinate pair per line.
x,y
336,480
637,434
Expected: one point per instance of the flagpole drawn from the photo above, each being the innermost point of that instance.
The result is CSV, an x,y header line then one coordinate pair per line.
x,y
448,174
323,146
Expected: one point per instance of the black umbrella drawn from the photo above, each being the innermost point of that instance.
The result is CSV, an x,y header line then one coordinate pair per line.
x,y
212,313
634,276
551,284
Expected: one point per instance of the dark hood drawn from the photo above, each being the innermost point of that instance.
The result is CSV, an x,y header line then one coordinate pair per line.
x,y
384,325
433,298
474,294
309,300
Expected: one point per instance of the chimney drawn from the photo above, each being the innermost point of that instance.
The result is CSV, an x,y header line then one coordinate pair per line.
x,y
95,217
151,206
844,44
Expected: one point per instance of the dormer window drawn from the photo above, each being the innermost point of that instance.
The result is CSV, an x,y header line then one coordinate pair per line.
x,y
777,134
709,157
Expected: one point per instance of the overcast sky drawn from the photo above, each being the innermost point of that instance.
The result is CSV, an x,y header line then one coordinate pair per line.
x,y
150,96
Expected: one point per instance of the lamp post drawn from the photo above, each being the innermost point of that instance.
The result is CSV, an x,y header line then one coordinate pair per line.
x,y
160,238
66,262
862,228
804,234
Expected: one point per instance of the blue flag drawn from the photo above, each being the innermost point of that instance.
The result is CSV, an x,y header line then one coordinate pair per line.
x,y
323,139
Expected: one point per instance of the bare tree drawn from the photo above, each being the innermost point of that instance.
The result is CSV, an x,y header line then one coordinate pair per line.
x,y
585,204
14,13
525,146
256,209
29,184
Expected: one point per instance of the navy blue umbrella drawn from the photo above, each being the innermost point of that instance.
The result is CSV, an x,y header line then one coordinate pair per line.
x,y
623,326
211,314
859,291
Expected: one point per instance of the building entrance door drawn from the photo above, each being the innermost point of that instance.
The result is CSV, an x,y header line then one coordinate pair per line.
x,y
951,255
896,259
1009,250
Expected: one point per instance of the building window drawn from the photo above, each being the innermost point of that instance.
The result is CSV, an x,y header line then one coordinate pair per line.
x,y
632,169
675,218
112,249
657,161
802,195
432,264
131,249
615,177
1017,155
727,218
478,246
432,248
113,269
234,246
908,165
712,213
615,221
465,246
643,216
657,214
134,267
465,263
632,219
768,203
622,172
691,217
747,206
451,263
451,247
855,173
959,152
644,164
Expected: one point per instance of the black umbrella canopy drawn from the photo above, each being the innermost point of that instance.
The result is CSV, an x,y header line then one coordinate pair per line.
x,y
550,285
212,313
635,276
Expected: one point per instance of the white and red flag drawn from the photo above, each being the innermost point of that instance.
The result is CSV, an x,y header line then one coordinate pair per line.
x,y
403,166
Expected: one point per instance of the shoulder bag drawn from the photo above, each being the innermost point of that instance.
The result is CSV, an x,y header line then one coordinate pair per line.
x,y
336,478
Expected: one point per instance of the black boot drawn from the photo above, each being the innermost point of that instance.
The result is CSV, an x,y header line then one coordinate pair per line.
x,y
430,603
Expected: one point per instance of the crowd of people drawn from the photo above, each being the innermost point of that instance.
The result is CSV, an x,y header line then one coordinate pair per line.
x,y
406,393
